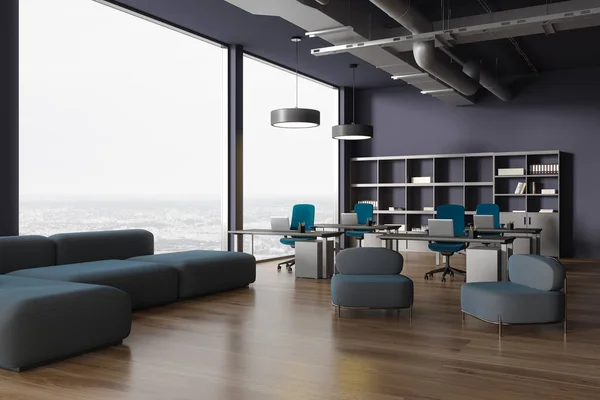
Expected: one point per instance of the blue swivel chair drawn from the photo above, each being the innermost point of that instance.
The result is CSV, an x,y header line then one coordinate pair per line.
x,y
300,213
490,209
364,213
456,213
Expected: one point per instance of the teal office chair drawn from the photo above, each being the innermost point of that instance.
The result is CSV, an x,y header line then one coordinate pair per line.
x,y
456,213
490,209
300,213
364,213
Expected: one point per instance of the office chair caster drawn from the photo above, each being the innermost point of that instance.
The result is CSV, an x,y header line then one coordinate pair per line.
x,y
427,276
289,269
279,268
443,279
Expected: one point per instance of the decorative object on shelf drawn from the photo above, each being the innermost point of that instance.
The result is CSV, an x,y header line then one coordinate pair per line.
x,y
428,208
302,227
352,131
511,171
544,169
520,189
420,179
295,117
510,225
533,187
549,191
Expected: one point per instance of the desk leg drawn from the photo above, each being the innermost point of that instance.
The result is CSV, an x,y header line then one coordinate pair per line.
x,y
328,258
538,248
506,253
238,243
437,258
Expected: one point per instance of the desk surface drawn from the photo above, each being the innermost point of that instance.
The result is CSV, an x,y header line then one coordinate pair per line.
x,y
452,239
358,227
506,230
269,232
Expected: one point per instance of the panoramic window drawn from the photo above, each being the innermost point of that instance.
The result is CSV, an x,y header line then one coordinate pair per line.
x,y
283,167
121,125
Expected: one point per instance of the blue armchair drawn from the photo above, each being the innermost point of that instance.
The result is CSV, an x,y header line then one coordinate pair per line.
x,y
456,213
301,213
364,214
534,294
369,278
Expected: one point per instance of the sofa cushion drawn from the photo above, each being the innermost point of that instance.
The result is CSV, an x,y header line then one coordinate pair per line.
x,y
202,271
20,252
148,284
537,272
42,321
369,260
514,303
372,291
81,247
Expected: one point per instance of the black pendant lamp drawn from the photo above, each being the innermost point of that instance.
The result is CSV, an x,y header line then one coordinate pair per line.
x,y
295,117
353,131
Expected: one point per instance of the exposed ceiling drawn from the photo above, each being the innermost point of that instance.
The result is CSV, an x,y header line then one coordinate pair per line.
x,y
268,37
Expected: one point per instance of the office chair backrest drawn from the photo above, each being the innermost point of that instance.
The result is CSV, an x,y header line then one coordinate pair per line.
x,y
454,212
364,212
489,209
303,213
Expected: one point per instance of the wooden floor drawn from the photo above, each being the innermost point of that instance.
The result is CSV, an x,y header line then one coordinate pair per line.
x,y
281,339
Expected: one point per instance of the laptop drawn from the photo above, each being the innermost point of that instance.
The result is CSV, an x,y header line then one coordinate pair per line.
x,y
483,221
349,219
280,223
441,227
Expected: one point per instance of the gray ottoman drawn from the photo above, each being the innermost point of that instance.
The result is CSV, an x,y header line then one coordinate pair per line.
x,y
148,284
203,272
42,321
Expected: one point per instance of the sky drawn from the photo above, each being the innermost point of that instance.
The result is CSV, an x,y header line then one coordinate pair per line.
x,y
116,107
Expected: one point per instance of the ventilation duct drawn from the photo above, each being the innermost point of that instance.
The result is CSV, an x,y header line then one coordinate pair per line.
x,y
466,81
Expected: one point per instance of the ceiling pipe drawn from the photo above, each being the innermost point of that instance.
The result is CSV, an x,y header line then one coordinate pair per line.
x,y
425,54
475,71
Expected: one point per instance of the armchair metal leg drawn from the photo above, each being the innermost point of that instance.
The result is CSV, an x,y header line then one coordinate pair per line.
x,y
565,320
499,326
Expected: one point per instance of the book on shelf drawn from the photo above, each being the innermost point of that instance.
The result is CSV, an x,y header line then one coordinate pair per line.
x,y
548,191
546,210
520,188
510,171
519,211
428,208
421,179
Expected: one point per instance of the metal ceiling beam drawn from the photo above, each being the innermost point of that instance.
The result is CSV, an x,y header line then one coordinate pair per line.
x,y
477,33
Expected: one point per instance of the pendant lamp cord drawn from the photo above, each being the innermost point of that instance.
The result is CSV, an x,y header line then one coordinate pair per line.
x,y
297,43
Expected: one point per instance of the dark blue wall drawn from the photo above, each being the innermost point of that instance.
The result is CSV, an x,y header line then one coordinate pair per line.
x,y
555,111
9,117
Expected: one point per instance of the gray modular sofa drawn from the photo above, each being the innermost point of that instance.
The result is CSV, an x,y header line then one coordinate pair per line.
x,y
75,292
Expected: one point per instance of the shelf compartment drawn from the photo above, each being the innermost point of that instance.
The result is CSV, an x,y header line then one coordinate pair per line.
x,y
449,170
392,197
419,197
475,195
449,195
392,171
419,167
363,172
479,169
